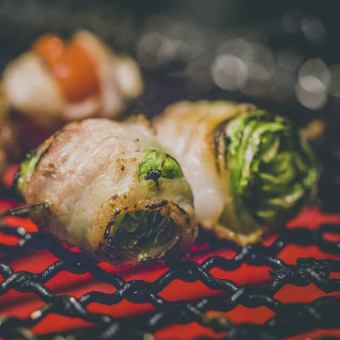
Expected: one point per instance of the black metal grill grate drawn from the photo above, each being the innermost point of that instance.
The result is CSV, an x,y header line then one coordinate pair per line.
x,y
289,318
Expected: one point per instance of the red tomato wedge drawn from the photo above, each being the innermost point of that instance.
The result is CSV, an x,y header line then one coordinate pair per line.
x,y
71,65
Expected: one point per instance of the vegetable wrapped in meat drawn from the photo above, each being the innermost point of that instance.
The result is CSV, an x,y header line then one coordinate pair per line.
x,y
111,190
81,78
249,169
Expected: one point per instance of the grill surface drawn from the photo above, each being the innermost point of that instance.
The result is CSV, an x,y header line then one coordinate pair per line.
x,y
288,319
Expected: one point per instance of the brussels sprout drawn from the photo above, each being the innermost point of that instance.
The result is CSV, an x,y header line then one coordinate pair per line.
x,y
272,171
249,170
95,176
157,164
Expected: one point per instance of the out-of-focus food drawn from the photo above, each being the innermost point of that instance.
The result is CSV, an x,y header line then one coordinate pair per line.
x,y
61,80
111,190
249,169
8,138
314,129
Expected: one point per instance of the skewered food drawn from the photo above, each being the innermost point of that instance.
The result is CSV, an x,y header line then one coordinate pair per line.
x,y
111,190
81,78
249,169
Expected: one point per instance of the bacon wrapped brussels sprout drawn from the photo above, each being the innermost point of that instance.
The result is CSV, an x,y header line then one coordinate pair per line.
x,y
249,169
111,190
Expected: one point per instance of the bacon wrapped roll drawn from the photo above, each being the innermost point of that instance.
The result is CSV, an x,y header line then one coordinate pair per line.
x,y
58,80
249,169
111,190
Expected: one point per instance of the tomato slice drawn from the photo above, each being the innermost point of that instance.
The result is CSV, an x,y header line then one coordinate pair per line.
x,y
49,47
71,65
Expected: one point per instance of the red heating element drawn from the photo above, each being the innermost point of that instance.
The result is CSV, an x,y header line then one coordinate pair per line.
x,y
22,303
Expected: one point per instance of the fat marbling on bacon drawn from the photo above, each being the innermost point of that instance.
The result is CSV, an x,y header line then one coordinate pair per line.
x,y
111,190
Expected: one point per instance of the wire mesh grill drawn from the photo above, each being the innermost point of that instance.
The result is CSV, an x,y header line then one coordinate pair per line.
x,y
289,318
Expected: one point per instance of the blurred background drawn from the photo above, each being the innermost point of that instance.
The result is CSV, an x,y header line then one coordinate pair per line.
x,y
283,56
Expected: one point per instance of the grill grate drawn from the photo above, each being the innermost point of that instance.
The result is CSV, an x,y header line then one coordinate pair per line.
x,y
289,318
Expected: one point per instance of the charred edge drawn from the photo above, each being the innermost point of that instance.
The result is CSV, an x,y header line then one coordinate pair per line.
x,y
107,231
108,243
156,205
108,227
183,212
217,135
109,246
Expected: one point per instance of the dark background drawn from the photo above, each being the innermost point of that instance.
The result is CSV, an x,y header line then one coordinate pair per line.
x,y
195,28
